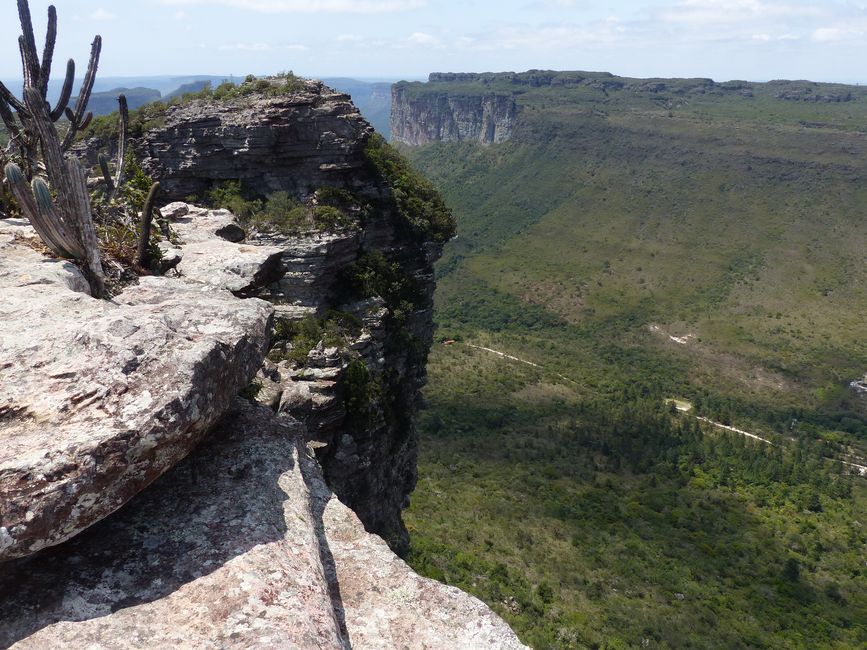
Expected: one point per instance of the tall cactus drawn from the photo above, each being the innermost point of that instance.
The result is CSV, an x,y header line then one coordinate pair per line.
x,y
64,221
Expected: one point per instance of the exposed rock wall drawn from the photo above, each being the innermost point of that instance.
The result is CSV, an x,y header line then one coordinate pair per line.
x,y
419,119
297,144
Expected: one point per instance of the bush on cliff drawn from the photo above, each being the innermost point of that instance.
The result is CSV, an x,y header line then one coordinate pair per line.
x,y
416,200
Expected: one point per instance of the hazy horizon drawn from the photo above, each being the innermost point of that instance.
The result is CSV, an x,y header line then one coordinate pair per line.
x,y
407,39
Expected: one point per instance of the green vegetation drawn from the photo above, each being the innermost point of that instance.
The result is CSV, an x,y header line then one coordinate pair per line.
x,y
643,242
293,340
416,202
328,209
609,523
153,115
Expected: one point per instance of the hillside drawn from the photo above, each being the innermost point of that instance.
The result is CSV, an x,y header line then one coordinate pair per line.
x,y
644,240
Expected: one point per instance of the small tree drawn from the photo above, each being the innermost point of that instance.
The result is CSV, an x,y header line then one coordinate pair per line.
x,y
58,209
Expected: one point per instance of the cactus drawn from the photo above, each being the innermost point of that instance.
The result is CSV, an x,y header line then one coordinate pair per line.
x,y
64,221
106,176
37,75
147,215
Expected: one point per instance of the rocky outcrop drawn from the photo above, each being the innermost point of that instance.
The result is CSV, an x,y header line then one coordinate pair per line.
x,y
240,546
98,398
419,119
295,142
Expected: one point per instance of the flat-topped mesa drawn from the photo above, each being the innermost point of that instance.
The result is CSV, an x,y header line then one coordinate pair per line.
x,y
486,107
416,120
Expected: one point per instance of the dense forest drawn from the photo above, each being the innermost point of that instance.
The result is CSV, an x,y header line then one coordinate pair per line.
x,y
646,258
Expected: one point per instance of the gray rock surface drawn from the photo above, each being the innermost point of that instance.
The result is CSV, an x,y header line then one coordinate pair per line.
x,y
98,398
212,255
240,546
443,117
293,143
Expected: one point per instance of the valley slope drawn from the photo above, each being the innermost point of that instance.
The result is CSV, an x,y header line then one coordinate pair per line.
x,y
643,240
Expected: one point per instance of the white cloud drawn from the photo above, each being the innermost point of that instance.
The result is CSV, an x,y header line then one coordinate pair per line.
x,y
261,47
102,15
836,34
180,15
420,38
712,13
311,6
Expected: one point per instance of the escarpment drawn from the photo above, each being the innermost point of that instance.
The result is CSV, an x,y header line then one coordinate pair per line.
x,y
419,119
353,300
127,519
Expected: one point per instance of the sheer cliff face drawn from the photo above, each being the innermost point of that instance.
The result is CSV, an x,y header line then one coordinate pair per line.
x,y
296,142
419,119
300,143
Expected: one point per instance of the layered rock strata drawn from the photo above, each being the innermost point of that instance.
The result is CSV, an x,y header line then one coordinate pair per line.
x,y
297,144
242,545
421,118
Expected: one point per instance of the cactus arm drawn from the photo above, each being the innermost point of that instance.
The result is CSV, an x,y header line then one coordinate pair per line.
x,y
46,228
60,234
29,55
123,129
106,175
11,99
83,93
86,121
8,119
65,93
146,221
28,78
48,52
80,202
89,78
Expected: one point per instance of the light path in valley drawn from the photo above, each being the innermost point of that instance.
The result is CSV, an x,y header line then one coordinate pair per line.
x,y
861,469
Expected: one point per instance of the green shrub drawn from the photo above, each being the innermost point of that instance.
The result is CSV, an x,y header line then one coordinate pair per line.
x,y
417,203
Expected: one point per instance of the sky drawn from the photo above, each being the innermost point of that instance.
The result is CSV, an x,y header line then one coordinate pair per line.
x,y
755,40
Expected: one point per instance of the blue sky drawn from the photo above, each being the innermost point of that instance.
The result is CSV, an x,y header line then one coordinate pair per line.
x,y
824,40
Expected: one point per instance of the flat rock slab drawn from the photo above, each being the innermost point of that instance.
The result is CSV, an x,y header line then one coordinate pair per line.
x,y
214,256
98,398
239,546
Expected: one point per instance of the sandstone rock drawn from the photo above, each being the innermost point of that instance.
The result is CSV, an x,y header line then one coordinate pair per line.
x,y
237,268
417,120
293,143
170,256
212,256
240,546
22,265
99,398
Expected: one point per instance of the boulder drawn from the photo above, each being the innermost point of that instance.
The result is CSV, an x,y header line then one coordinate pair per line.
x,y
211,254
98,398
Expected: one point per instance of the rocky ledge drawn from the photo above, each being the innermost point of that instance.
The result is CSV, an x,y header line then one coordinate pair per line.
x,y
240,546
100,397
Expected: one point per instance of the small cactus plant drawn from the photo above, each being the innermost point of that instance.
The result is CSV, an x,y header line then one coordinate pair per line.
x,y
58,209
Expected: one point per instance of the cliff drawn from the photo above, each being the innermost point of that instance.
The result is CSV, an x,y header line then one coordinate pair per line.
x,y
126,519
419,119
298,143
